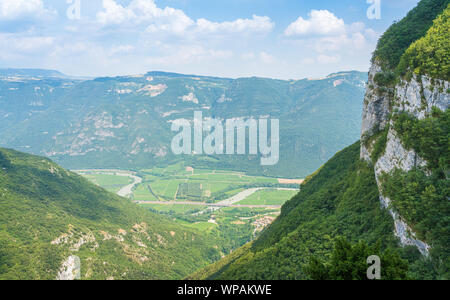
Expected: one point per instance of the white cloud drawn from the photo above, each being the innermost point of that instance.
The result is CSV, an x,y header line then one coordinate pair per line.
x,y
350,41
321,59
187,55
248,56
15,9
25,44
255,25
326,32
144,12
307,61
135,36
175,21
114,13
121,49
267,58
326,59
320,22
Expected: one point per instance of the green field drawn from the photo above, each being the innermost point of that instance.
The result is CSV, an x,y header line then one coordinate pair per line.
x,y
180,183
190,190
269,197
229,227
112,183
174,209
142,193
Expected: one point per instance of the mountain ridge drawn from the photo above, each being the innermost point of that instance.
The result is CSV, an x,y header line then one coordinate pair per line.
x,y
124,122
158,73
400,167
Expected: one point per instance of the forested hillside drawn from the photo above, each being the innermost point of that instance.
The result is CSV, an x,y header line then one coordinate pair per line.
x,y
48,215
340,201
329,228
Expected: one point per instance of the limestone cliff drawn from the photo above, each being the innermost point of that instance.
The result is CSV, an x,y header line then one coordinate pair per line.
x,y
417,97
409,77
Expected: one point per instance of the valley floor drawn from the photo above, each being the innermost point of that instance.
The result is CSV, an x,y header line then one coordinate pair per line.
x,y
231,206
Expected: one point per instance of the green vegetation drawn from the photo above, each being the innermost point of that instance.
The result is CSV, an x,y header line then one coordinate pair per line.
x,y
380,144
190,190
431,54
398,38
334,190
174,209
341,200
430,137
227,228
421,195
48,214
111,183
385,79
349,262
423,202
174,183
269,197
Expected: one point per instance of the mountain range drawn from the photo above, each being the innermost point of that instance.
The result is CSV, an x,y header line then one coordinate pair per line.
x,y
124,122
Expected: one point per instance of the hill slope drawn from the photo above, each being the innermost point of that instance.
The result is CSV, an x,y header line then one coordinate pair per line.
x,y
406,136
341,200
402,161
49,215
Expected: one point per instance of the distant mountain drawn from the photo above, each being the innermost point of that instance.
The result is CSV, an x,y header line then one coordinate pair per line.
x,y
53,221
31,73
124,122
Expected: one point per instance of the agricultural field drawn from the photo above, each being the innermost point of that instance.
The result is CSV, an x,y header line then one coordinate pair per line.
x,y
110,182
269,197
174,209
247,204
180,183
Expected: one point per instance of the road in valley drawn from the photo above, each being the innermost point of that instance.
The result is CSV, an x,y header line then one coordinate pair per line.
x,y
230,202
127,191
213,205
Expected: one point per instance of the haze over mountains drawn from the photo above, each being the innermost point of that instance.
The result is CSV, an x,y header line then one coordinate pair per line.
x,y
124,122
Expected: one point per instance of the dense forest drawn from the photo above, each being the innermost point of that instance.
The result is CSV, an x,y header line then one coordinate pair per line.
x,y
399,37
48,214
328,230
340,201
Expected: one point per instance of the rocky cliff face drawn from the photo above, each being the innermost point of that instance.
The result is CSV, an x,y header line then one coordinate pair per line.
x,y
417,97
376,109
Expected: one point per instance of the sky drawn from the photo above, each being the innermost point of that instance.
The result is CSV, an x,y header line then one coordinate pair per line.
x,y
285,39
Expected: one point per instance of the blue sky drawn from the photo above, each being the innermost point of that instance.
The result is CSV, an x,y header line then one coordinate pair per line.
x,y
286,39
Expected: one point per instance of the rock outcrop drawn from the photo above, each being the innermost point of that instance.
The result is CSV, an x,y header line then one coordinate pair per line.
x,y
70,269
417,97
376,105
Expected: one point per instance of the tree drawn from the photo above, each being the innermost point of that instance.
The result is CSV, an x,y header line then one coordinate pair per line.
x,y
349,262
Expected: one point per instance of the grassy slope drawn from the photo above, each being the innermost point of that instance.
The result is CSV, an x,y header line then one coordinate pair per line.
x,y
39,202
340,200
